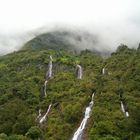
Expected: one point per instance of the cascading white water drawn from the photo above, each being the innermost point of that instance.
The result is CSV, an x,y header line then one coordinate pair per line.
x,y
78,134
127,114
122,107
103,71
79,72
45,85
45,116
49,73
123,110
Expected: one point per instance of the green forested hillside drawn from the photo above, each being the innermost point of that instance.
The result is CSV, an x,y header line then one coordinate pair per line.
x,y
108,122
22,76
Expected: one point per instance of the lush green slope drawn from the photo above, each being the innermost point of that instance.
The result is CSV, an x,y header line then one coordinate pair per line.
x,y
22,76
122,77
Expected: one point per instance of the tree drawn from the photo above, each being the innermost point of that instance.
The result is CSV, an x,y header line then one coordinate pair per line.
x,y
34,132
122,47
3,136
17,137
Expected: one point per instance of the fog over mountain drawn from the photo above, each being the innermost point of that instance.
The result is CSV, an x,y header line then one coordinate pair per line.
x,y
108,22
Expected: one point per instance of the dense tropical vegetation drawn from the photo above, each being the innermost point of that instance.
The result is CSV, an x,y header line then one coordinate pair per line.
x,y
22,76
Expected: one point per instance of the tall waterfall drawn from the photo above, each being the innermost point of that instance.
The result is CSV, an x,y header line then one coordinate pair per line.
x,y
123,109
78,134
79,72
48,74
45,116
41,118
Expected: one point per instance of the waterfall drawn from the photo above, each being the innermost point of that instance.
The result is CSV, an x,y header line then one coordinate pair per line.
x,y
44,117
79,72
123,109
127,114
103,71
49,73
39,115
78,134
45,85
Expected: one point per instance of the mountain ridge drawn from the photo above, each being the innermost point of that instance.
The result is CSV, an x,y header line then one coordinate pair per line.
x,y
68,40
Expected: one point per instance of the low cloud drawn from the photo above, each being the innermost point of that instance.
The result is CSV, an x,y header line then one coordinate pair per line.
x,y
10,43
109,22
104,39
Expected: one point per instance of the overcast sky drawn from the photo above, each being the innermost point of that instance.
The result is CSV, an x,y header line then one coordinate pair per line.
x,y
115,21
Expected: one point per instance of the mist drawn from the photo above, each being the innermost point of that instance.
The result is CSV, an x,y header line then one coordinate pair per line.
x,y
102,25
13,42
98,38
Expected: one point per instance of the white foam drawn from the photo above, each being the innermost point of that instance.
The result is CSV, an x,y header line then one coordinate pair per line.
x,y
78,134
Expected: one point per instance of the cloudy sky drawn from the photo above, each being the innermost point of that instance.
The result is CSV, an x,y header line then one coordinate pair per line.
x,y
115,21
